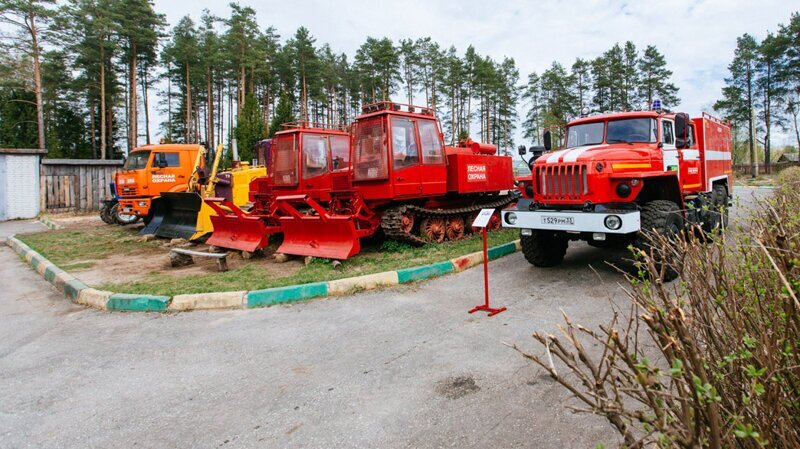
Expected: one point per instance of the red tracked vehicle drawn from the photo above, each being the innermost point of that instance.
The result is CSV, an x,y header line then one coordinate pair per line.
x,y
621,174
403,181
302,160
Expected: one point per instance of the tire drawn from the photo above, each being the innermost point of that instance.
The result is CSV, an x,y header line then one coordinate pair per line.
x,y
105,212
720,196
544,248
664,218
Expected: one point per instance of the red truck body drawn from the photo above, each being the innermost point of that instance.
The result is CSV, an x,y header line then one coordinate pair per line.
x,y
631,167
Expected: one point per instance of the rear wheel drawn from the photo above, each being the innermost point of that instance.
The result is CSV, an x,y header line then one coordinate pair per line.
x,y
544,248
660,218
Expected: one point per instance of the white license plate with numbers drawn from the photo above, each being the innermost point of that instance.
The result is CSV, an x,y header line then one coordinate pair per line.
x,y
558,221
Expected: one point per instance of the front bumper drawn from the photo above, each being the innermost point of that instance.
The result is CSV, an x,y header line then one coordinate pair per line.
x,y
573,221
134,206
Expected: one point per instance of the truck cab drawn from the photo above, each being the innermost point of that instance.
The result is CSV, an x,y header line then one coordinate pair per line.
x,y
622,173
152,169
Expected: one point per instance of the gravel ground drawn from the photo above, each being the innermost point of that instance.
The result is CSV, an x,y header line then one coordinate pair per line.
x,y
402,367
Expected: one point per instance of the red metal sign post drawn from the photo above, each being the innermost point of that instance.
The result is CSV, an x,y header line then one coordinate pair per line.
x,y
481,221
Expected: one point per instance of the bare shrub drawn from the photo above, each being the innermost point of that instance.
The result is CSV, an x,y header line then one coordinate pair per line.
x,y
710,360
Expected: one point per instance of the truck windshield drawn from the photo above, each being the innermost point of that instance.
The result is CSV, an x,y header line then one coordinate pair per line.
x,y
137,160
632,130
585,134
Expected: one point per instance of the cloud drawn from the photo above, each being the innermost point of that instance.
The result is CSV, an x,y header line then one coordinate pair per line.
x,y
697,37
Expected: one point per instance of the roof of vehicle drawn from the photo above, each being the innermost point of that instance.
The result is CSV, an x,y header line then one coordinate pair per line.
x,y
170,147
310,127
618,115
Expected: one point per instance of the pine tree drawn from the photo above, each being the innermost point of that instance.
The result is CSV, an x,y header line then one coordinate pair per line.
x,y
250,128
30,18
654,83
738,94
283,114
139,28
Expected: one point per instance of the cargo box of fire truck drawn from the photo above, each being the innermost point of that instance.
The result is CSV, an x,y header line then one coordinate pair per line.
x,y
622,173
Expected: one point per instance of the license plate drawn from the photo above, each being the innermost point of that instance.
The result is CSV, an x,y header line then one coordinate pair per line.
x,y
558,221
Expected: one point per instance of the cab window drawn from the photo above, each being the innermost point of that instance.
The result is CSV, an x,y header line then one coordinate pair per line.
x,y
432,151
405,152
315,155
668,133
340,152
162,159
369,152
137,160
284,161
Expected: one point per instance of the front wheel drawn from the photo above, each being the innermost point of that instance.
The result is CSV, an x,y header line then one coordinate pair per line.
x,y
122,219
544,248
660,218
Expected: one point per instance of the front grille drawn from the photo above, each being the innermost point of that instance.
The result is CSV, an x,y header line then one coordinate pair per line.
x,y
128,191
562,182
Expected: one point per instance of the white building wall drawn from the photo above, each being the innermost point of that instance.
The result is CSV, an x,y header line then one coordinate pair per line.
x,y
20,186
3,188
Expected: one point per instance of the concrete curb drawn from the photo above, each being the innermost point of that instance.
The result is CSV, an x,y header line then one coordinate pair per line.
x,y
49,223
80,293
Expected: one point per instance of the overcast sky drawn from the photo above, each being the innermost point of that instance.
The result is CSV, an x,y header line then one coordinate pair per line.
x,y
697,37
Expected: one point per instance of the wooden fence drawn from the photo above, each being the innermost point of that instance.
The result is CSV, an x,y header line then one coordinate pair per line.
x,y
75,184
775,167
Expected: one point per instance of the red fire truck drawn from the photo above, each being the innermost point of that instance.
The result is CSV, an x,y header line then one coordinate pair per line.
x,y
622,173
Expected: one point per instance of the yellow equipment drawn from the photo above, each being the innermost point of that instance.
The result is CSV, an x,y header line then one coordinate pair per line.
x,y
185,215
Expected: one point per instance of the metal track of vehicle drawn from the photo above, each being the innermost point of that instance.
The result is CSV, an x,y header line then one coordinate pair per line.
x,y
392,219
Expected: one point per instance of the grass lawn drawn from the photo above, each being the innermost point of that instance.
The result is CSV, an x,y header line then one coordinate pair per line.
x,y
71,248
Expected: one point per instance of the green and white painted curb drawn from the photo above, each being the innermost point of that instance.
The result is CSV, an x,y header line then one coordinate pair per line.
x,y
80,293
49,223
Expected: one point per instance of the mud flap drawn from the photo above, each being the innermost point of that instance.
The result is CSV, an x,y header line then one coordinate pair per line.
x,y
331,237
177,214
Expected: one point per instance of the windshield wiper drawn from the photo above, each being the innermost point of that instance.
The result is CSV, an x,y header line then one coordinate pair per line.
x,y
619,140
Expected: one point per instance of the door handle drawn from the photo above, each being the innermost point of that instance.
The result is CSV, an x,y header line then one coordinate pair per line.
x,y
400,178
308,186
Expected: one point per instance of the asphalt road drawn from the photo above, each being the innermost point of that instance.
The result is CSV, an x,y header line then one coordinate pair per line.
x,y
402,367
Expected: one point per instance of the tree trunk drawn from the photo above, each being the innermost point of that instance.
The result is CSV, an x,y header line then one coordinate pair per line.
x,y
133,119
209,109
92,131
102,98
146,105
750,130
188,127
37,78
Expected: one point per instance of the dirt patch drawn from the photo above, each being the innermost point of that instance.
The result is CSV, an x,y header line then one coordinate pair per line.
x,y
457,387
154,259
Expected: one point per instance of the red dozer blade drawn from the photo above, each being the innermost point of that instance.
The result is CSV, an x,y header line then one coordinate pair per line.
x,y
320,235
332,237
234,229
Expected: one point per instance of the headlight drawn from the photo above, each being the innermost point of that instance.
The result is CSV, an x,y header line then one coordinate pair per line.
x,y
511,218
613,222
142,203
623,189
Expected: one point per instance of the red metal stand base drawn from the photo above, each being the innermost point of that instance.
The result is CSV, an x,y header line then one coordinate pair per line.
x,y
492,311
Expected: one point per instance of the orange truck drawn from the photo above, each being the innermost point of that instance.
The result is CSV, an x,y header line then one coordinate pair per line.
x,y
153,169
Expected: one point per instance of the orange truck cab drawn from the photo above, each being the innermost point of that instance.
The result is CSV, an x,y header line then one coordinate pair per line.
x,y
152,169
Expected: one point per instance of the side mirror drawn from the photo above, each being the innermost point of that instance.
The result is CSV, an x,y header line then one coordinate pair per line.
x,y
548,140
161,163
681,130
522,150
